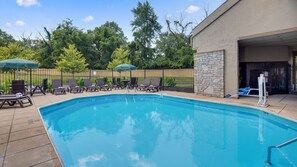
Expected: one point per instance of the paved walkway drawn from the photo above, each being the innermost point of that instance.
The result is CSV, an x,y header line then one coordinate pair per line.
x,y
24,141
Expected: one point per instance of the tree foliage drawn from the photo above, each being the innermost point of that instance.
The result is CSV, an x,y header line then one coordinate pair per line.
x,y
107,38
173,47
15,50
66,33
106,46
45,53
145,29
5,38
118,31
71,60
119,56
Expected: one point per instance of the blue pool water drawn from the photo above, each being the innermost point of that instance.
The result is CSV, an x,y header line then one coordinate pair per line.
x,y
153,130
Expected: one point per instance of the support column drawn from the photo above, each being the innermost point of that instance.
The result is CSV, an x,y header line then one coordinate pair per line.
x,y
209,73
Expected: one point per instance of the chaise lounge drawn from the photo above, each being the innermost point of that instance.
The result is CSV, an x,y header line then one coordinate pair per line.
x,y
102,85
11,100
155,85
145,84
133,82
18,86
88,86
246,91
73,87
57,87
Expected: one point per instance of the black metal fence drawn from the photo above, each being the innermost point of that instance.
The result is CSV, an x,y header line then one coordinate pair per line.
x,y
182,77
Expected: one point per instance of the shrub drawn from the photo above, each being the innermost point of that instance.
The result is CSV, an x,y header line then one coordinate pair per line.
x,y
80,82
4,86
106,80
49,85
170,81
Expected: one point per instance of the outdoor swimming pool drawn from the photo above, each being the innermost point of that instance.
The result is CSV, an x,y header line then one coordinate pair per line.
x,y
154,130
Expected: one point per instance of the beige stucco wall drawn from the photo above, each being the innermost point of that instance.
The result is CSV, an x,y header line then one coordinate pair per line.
x,y
246,18
265,54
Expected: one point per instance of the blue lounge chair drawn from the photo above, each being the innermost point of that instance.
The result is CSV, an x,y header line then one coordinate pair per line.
x,y
246,91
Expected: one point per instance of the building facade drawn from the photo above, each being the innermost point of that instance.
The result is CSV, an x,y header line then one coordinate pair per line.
x,y
242,39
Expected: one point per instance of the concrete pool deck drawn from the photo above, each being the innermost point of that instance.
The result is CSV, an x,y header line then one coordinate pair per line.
x,y
24,141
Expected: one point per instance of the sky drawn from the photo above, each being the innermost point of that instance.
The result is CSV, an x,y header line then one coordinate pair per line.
x,y
28,17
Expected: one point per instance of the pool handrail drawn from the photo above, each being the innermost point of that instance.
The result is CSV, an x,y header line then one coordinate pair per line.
x,y
268,160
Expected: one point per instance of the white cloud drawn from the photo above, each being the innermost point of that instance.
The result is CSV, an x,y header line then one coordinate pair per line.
x,y
93,158
192,9
138,161
8,24
19,23
27,3
88,18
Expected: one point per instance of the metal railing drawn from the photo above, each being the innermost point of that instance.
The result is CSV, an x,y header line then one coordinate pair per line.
x,y
184,77
268,160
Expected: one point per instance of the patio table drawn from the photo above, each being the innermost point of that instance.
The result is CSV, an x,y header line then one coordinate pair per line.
x,y
126,82
37,87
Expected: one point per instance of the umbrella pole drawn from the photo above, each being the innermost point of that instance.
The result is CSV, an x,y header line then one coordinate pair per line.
x,y
111,74
130,74
14,75
30,81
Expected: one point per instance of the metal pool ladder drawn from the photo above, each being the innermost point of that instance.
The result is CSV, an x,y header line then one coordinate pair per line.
x,y
268,160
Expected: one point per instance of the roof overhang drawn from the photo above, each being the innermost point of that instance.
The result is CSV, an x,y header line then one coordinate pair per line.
x,y
286,37
214,16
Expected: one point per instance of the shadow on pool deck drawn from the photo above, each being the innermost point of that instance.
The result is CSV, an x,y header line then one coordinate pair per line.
x,y
24,141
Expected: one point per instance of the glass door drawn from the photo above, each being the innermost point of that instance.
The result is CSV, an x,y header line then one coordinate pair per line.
x,y
277,74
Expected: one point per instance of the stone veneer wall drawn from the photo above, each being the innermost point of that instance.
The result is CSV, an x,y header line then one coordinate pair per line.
x,y
209,73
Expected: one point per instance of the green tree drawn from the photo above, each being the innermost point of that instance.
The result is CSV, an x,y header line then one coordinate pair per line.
x,y
173,48
118,31
67,33
119,56
145,29
132,48
71,60
96,45
106,38
45,56
5,38
15,50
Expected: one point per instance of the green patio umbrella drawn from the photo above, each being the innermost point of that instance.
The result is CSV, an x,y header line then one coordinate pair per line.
x,y
19,64
125,67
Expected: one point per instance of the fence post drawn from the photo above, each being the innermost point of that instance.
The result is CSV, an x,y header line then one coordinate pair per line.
x,y
111,74
90,74
144,73
61,78
163,79
30,81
